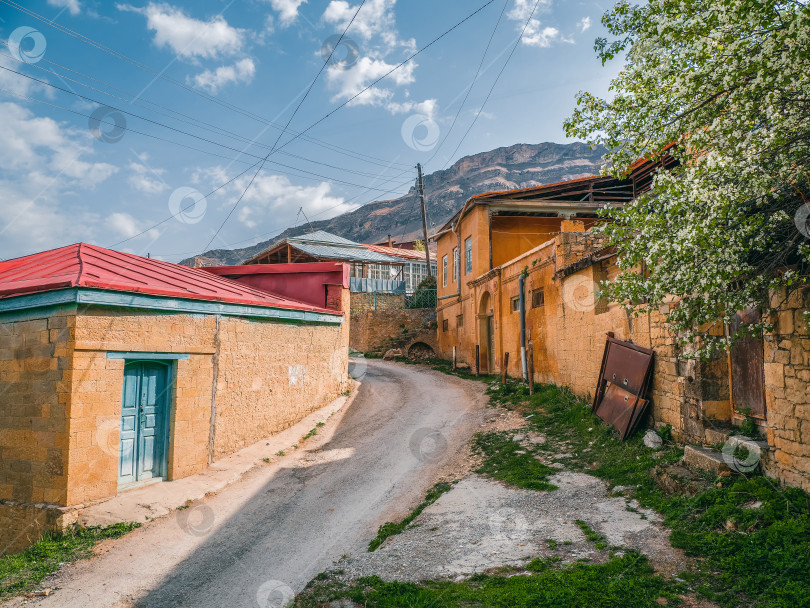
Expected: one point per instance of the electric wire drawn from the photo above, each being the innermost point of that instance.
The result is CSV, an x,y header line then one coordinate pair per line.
x,y
474,80
192,121
494,84
121,56
289,120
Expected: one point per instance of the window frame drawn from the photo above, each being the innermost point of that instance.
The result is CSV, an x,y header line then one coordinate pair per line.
x,y
468,255
444,270
542,293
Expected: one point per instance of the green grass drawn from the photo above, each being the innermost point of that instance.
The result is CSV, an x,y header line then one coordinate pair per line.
x,y
746,557
510,462
625,581
22,572
599,541
391,528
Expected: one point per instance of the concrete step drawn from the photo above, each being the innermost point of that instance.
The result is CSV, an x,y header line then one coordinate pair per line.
x,y
739,454
698,457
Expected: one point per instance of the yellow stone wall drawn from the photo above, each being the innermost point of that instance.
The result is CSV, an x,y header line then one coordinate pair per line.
x,y
35,356
60,397
787,390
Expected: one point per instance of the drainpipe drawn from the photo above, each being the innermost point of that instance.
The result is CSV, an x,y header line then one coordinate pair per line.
x,y
522,302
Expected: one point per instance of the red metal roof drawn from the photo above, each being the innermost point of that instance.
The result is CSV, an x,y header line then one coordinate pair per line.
x,y
83,265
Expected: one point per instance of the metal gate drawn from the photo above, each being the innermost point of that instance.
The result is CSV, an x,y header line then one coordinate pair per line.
x,y
746,362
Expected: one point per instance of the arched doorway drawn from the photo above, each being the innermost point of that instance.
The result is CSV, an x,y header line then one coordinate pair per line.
x,y
486,334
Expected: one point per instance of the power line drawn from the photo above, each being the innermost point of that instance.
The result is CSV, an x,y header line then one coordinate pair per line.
x,y
300,103
474,80
193,121
118,55
240,152
494,84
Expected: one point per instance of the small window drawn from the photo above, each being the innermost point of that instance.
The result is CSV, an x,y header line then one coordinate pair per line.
x,y
468,255
538,298
444,271
460,321
445,325
516,304
455,265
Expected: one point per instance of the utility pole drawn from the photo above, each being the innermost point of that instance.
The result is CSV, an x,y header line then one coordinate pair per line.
x,y
421,188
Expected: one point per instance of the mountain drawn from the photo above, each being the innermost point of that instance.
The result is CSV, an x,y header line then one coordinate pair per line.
x,y
518,166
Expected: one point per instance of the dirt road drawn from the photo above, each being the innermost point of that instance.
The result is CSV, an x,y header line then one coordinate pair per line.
x,y
265,537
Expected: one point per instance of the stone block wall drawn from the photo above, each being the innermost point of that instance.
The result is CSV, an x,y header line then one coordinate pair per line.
x,y
787,390
363,302
35,355
60,398
375,330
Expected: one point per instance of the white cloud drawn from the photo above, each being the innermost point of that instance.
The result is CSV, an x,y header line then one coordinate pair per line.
x,y
273,200
350,82
16,84
376,18
146,179
41,161
287,9
186,36
375,25
584,24
72,6
535,34
35,146
211,80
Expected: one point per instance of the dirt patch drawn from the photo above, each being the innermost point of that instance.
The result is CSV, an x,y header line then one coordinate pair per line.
x,y
482,524
467,461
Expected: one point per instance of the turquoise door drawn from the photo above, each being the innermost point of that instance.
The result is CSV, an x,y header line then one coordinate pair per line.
x,y
144,408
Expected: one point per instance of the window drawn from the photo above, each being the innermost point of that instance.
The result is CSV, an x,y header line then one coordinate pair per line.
x,y
444,271
468,255
516,304
538,298
445,325
455,265
460,321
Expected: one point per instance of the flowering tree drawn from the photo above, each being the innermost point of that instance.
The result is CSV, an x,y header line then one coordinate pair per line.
x,y
727,81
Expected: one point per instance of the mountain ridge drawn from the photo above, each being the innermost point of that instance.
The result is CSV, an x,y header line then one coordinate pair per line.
x,y
446,190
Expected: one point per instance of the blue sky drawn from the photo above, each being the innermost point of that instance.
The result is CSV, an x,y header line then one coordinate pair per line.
x,y
147,107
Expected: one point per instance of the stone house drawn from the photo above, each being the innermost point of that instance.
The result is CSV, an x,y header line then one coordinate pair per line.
x,y
118,370
567,323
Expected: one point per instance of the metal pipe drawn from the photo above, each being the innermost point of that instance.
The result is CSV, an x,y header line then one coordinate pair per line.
x,y
522,302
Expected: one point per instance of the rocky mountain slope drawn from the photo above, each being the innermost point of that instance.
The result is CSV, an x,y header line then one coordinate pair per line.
x,y
518,166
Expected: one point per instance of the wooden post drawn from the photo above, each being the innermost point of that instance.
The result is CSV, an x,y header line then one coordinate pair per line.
x,y
530,357
421,190
477,360
454,357
505,367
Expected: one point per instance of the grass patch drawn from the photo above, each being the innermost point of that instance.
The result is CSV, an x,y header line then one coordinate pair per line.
x,y
746,556
510,462
625,581
22,572
391,528
599,541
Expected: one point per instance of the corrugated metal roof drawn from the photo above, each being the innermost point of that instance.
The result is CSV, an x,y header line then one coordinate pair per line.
x,y
322,237
332,252
83,265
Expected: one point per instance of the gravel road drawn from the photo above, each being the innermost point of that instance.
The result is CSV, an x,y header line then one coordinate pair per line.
x,y
260,540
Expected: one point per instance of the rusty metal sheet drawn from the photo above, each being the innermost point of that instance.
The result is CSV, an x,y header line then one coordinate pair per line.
x,y
623,379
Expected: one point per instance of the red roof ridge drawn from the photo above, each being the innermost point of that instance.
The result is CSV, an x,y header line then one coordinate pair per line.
x,y
91,266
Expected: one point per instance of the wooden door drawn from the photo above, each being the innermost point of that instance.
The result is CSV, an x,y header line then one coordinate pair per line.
x,y
747,369
144,406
